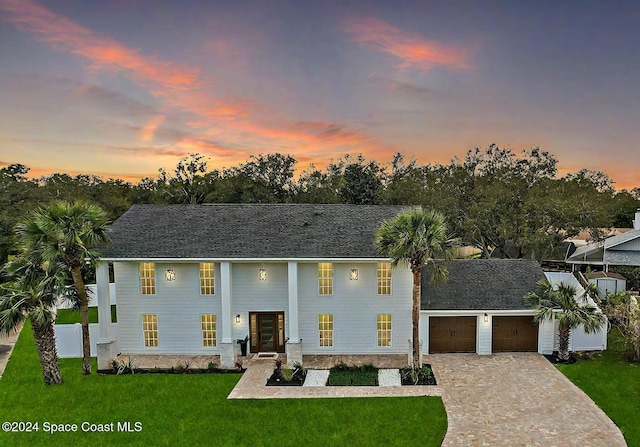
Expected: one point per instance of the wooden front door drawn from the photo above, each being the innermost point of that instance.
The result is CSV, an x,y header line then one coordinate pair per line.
x,y
511,334
267,331
452,334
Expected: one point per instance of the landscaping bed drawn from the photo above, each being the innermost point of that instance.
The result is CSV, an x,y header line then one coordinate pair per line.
x,y
284,375
422,376
123,368
344,375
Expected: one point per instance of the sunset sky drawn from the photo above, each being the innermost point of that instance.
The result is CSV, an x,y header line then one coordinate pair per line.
x,y
120,88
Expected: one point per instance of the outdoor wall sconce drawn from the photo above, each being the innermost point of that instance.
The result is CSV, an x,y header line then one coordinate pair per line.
x,y
353,274
170,275
486,317
238,319
262,274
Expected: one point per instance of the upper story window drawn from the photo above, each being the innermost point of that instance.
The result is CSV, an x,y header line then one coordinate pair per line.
x,y
147,278
325,278
207,278
384,278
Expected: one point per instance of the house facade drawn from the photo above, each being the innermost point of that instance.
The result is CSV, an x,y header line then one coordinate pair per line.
x,y
298,279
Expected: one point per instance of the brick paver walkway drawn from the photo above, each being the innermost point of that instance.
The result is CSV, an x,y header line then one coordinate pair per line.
x,y
517,399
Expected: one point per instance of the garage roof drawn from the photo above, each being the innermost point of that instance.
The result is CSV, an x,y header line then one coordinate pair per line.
x,y
482,284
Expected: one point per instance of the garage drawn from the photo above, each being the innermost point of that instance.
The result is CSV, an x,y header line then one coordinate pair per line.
x,y
452,334
514,334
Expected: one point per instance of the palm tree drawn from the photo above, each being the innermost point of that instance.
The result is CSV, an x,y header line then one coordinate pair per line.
x,y
563,303
417,238
32,293
66,234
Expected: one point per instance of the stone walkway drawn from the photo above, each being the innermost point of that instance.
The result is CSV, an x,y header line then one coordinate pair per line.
x,y
517,399
514,399
252,386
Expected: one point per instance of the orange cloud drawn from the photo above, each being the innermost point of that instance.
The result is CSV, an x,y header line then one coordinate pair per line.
x,y
103,52
147,133
413,51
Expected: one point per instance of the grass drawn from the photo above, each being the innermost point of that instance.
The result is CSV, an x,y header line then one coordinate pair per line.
x,y
71,316
613,384
343,375
193,410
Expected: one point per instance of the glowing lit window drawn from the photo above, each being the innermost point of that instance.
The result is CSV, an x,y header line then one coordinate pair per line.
x,y
150,329
384,278
325,278
208,323
147,278
384,329
325,330
207,278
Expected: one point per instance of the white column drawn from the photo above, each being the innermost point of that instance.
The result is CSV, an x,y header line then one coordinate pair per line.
x,y
225,286
294,336
104,301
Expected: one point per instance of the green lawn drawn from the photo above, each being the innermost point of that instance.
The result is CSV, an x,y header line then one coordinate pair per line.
x,y
193,410
70,316
613,384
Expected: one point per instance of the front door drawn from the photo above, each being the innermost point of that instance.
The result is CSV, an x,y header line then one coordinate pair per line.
x,y
267,331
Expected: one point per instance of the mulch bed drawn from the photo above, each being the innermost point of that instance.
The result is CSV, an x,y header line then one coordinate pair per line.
x,y
423,379
277,380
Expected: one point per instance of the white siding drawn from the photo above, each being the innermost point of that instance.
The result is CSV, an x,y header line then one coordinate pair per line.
x,y
249,294
581,341
178,305
354,306
546,336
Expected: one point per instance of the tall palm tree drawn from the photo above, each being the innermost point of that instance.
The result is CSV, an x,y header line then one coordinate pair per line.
x,y
562,303
68,233
31,293
416,238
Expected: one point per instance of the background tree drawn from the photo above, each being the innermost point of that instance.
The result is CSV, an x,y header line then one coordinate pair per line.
x,y
67,234
623,312
32,292
417,238
563,304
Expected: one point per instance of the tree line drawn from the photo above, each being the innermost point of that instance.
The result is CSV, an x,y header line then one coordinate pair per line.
x,y
503,202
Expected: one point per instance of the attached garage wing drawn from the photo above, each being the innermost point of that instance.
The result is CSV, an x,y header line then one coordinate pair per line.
x,y
452,334
514,334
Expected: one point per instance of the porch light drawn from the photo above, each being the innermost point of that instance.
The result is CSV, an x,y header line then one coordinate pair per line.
x,y
170,275
486,317
353,274
262,274
238,319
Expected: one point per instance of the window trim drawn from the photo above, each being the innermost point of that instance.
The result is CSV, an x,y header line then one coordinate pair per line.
x,y
329,279
212,278
379,279
147,333
141,278
204,331
322,330
380,331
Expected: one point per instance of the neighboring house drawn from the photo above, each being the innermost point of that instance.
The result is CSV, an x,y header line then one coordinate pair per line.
x,y
297,278
622,249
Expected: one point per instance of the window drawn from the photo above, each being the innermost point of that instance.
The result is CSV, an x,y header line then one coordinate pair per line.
x,y
207,278
208,323
384,329
147,278
384,278
325,330
150,329
325,278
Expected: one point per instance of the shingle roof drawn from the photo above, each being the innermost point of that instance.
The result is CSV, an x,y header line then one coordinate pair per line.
x,y
247,231
482,284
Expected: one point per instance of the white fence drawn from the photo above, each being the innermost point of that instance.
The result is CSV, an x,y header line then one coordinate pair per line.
x,y
93,296
69,339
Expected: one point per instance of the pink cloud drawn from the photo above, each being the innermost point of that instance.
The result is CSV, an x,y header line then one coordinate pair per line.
x,y
413,51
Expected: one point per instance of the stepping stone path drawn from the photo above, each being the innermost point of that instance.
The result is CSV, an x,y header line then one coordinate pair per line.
x,y
316,377
389,377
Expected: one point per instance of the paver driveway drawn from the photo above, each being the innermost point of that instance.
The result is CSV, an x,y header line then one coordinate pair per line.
x,y
517,399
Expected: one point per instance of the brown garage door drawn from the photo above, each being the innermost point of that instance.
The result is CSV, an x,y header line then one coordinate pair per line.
x,y
514,334
452,334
